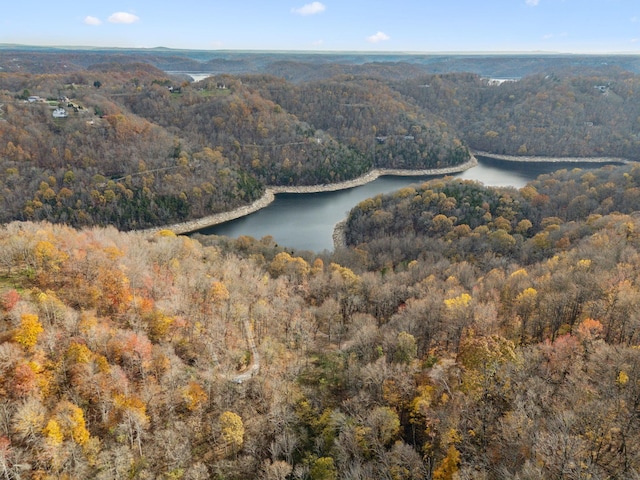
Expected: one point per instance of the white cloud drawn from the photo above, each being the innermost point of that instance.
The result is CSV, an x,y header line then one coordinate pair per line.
x,y
318,43
310,9
549,36
89,20
378,37
532,3
123,17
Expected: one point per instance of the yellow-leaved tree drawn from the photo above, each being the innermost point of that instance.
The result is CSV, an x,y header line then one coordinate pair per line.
x,y
70,422
232,430
219,293
449,466
29,330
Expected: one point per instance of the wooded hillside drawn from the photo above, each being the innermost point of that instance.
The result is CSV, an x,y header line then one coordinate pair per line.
x,y
552,114
124,355
141,148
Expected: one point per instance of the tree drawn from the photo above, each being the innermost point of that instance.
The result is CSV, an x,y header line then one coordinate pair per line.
x,y
29,330
29,420
449,465
133,418
284,264
70,421
406,348
10,299
459,312
219,293
9,469
194,396
523,226
24,380
323,469
277,470
232,430
116,462
383,424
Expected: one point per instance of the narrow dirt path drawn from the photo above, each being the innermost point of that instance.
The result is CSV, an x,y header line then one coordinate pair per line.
x,y
253,369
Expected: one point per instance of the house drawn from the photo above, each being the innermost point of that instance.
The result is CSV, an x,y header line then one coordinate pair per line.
x,y
60,113
496,82
76,108
34,99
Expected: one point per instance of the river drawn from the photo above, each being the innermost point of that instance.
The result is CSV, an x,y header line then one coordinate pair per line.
x,y
306,221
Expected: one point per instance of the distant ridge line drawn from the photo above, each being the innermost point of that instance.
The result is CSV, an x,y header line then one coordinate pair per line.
x,y
317,52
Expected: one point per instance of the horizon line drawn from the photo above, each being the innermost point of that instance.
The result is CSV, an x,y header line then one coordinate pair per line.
x,y
323,52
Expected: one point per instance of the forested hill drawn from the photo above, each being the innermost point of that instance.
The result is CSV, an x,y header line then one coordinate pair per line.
x,y
304,66
465,220
139,147
553,114
137,356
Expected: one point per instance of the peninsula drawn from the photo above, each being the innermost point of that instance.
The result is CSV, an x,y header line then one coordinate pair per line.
x,y
270,193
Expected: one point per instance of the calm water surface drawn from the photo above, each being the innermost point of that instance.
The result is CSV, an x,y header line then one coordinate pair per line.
x,y
306,221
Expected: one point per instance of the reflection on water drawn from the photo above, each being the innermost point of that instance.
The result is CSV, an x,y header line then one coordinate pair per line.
x,y
195,76
306,221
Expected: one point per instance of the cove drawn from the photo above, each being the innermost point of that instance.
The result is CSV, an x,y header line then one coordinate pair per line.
x,y
306,221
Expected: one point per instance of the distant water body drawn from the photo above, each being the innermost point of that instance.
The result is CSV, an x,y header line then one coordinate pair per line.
x,y
306,221
195,76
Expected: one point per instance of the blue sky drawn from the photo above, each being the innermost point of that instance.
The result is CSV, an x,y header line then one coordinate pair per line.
x,y
568,26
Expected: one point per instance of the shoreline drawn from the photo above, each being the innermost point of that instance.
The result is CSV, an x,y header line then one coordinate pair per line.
x,y
532,158
270,192
339,233
268,197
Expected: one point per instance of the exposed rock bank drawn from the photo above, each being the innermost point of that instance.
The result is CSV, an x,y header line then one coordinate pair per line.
x,y
270,193
339,233
531,158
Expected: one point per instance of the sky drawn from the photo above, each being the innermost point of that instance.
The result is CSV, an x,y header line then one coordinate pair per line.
x,y
564,26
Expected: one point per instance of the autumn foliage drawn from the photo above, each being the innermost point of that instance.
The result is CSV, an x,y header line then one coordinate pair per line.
x,y
130,355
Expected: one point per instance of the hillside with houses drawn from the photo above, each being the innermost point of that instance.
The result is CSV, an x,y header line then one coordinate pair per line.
x,y
121,142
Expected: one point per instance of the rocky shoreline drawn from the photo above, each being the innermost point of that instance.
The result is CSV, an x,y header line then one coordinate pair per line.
x,y
531,158
270,193
339,233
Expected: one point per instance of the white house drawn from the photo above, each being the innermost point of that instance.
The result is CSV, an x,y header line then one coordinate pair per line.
x,y
60,113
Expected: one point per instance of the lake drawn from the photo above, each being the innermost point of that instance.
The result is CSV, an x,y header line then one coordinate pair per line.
x,y
306,221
